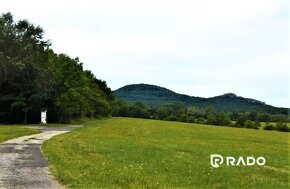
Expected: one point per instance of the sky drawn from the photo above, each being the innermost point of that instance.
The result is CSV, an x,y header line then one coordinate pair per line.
x,y
197,47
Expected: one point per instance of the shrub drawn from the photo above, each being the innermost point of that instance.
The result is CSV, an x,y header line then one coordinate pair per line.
x,y
249,124
282,127
257,124
171,118
183,118
269,127
201,120
191,119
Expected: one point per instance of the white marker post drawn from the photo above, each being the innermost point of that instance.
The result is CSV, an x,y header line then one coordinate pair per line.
x,y
43,115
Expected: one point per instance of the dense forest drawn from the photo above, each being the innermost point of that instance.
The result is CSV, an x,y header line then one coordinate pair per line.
x,y
33,77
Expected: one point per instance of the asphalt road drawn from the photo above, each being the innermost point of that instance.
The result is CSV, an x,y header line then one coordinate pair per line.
x,y
22,165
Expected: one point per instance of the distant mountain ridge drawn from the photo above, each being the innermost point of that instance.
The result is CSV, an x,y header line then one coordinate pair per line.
x,y
153,95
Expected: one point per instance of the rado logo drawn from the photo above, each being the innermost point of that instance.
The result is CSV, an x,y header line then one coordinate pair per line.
x,y
216,160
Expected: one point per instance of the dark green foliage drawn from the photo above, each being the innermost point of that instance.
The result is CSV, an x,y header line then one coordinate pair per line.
x,y
173,112
245,120
269,127
23,58
264,117
32,77
102,85
171,118
152,95
249,124
178,112
241,120
257,124
138,110
76,92
282,127
214,118
253,116
234,116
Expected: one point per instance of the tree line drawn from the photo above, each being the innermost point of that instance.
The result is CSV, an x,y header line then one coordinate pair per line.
x,y
209,116
33,76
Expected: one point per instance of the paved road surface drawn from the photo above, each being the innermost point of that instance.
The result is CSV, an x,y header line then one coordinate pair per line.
x,y
22,165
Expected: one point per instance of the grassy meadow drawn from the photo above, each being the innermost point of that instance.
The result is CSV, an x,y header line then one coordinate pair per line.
x,y
137,153
9,132
273,123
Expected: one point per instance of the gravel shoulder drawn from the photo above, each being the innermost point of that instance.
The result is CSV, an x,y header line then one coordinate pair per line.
x,y
22,164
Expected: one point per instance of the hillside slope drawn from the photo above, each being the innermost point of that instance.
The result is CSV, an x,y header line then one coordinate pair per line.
x,y
155,96
138,153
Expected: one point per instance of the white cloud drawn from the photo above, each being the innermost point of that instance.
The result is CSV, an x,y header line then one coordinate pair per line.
x,y
199,47
114,44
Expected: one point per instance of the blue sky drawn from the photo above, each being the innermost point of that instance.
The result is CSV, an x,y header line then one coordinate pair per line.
x,y
196,47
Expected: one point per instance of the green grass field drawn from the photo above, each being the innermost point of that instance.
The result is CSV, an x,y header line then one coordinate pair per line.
x,y
137,153
9,132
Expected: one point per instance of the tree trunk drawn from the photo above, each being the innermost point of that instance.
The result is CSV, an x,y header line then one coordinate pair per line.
x,y
60,119
25,117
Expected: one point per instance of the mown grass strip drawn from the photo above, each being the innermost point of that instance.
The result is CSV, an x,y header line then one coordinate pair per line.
x,y
9,132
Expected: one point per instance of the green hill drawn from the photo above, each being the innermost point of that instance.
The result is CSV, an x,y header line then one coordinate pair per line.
x,y
155,96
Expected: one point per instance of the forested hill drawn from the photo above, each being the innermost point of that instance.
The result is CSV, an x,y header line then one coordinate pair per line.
x,y
155,96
